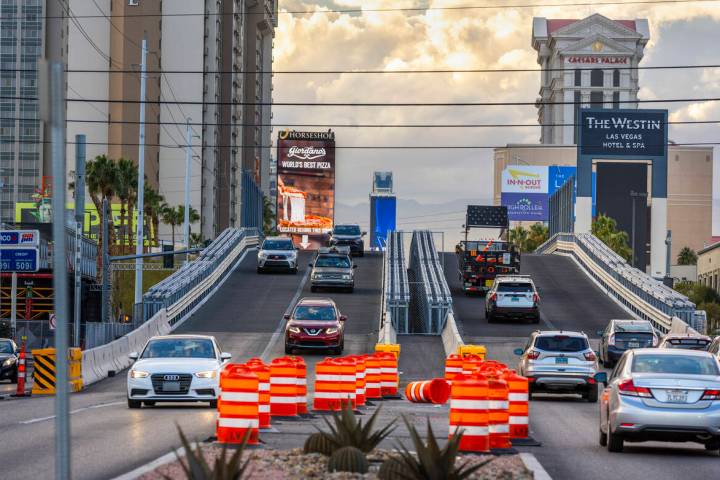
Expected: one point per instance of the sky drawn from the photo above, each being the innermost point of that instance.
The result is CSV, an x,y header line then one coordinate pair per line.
x,y
484,38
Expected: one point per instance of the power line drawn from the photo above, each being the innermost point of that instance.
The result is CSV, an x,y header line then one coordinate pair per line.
x,y
369,104
397,9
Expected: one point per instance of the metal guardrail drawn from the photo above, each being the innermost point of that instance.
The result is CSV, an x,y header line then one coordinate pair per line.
x,y
638,291
434,301
191,284
396,289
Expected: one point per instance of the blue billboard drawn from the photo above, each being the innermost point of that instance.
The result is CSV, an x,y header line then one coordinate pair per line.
x,y
558,175
630,133
383,211
526,207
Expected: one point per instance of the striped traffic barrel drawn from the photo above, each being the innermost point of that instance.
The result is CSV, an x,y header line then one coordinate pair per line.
x,y
498,411
389,379
428,391
346,369
327,386
373,377
359,378
453,366
469,412
471,364
283,388
262,370
301,376
238,413
518,406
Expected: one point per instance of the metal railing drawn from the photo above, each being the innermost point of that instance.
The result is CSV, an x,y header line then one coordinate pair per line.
x,y
643,295
432,296
396,291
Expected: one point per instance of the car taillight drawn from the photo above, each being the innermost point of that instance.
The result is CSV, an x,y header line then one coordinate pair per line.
x,y
533,355
611,340
493,297
536,299
590,356
656,340
711,395
627,387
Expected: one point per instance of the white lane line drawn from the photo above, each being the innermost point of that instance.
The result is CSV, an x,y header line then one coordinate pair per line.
x,y
149,467
72,412
278,331
531,463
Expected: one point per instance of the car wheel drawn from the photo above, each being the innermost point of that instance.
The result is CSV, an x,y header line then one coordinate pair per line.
x,y
259,270
490,317
288,350
295,271
313,289
362,253
536,320
149,404
14,378
213,403
592,394
134,403
350,289
603,439
615,442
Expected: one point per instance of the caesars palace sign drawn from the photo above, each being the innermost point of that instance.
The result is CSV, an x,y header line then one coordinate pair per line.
x,y
599,59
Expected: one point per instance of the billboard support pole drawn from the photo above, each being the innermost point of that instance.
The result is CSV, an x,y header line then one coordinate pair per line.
x,y
79,217
13,303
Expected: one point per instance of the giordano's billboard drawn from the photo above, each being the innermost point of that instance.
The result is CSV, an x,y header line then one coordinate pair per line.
x,y
306,186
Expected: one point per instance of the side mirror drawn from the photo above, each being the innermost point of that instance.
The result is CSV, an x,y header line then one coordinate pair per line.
x,y
310,265
518,352
354,267
286,316
343,318
601,377
133,356
364,233
600,332
225,356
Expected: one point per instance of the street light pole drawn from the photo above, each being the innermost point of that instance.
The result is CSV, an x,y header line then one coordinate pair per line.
x,y
188,170
140,237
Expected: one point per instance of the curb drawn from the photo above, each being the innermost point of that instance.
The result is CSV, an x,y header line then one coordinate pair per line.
x,y
149,467
531,463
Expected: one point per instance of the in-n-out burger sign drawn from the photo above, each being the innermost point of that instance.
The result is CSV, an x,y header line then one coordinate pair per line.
x,y
306,153
599,59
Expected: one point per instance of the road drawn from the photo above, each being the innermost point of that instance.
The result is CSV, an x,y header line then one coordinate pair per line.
x,y
567,426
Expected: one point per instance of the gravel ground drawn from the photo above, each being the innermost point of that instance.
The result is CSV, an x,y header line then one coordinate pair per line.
x,y
294,465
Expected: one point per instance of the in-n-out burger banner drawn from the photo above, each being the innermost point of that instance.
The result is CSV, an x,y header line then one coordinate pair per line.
x,y
525,179
605,60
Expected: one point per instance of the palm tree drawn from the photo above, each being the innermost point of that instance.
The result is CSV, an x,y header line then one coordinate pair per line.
x,y
268,216
687,256
193,216
125,186
518,236
169,216
196,240
605,229
537,235
100,178
153,204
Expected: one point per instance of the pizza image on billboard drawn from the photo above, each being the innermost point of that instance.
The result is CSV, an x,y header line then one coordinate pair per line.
x,y
306,182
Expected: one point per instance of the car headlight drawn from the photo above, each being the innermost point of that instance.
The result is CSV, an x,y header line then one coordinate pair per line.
x,y
316,276
330,331
292,255
208,374
8,362
346,277
294,330
138,374
262,254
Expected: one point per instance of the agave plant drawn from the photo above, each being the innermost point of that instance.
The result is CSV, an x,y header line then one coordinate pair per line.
x,y
431,462
224,468
348,431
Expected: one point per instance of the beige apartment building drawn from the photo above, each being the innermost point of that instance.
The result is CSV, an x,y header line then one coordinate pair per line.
x,y
708,266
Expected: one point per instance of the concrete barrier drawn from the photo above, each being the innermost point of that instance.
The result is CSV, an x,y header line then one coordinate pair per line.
x,y
387,334
680,327
451,336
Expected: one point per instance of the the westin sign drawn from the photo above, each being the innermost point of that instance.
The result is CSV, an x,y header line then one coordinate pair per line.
x,y
626,132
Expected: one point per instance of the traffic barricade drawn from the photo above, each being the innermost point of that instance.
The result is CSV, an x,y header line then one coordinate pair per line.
x,y
469,405
347,381
393,348
327,386
373,377
22,372
389,380
479,350
238,405
435,391
359,378
262,370
301,376
498,411
470,364
453,366
44,371
283,388
518,405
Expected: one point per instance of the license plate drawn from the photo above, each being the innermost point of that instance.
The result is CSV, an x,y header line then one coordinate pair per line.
x,y
171,386
677,396
633,344
561,360
515,299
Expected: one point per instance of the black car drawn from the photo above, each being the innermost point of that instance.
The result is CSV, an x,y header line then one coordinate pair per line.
x,y
622,335
8,360
348,236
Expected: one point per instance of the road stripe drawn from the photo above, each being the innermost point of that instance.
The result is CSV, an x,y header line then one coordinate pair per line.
x,y
279,330
72,412
531,463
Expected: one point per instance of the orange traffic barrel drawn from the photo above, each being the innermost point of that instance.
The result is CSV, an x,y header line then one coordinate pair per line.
x,y
360,361
389,379
470,364
347,381
518,404
498,412
373,377
453,366
283,388
327,386
469,412
428,391
262,370
238,413
301,377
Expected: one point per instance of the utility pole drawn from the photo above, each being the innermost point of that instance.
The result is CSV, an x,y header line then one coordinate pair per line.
x,y
79,220
188,170
105,294
140,237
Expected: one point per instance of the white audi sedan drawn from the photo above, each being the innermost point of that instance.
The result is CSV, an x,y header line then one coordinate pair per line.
x,y
176,368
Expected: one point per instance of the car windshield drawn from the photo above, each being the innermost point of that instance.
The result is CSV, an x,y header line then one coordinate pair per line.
x,y
278,245
689,343
561,343
333,262
515,287
313,312
679,364
179,348
6,347
347,230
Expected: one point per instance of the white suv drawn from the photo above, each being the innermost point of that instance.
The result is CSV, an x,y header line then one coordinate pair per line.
x,y
512,297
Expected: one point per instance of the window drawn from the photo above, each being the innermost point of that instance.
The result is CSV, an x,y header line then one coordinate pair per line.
x,y
578,78
561,343
596,77
576,115
596,99
616,99
616,78
675,364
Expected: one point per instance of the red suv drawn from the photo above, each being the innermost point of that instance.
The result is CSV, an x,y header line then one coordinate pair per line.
x,y
315,323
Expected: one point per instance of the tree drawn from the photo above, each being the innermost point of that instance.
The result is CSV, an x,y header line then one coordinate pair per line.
x,y
196,240
125,187
100,178
605,229
687,256
518,236
169,216
153,204
268,216
537,235
194,217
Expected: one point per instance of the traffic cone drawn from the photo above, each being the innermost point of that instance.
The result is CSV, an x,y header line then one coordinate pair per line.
x,y
22,373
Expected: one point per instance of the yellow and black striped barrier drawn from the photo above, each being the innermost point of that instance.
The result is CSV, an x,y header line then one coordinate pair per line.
x,y
44,370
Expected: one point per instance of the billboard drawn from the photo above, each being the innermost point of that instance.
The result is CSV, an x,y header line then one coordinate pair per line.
x,y
527,207
623,132
383,214
306,185
524,179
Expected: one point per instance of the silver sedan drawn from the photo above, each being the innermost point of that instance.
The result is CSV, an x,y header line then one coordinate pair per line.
x,y
662,395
